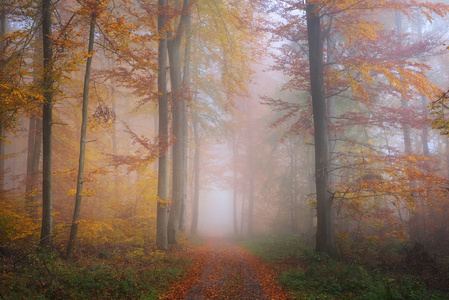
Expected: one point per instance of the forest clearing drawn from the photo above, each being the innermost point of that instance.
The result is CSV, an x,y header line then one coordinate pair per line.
x,y
224,149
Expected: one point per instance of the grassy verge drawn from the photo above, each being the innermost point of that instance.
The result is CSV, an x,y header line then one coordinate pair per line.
x,y
315,276
136,274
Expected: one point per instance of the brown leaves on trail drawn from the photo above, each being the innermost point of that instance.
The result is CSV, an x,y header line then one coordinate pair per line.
x,y
223,270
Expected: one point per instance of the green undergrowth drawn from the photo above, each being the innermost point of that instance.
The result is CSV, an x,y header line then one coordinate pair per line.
x,y
136,274
309,275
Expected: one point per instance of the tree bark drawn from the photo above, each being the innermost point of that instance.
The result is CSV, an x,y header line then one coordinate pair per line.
x,y
425,129
3,25
34,141
47,120
179,130
2,159
80,181
250,158
235,190
196,166
162,186
404,102
185,125
325,239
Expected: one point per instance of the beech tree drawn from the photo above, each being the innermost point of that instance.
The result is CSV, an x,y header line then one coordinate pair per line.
x,y
162,208
179,112
47,119
95,11
355,70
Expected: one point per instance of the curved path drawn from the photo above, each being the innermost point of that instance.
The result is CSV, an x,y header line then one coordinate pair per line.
x,y
223,270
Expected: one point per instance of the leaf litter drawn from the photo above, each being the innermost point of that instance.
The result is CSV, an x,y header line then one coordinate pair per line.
x,y
223,270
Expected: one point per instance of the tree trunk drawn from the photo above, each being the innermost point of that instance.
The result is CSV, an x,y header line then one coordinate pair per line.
x,y
47,199
325,239
414,215
162,186
2,159
404,102
34,152
250,157
235,190
196,166
185,125
425,129
179,130
2,131
80,181
34,141
331,114
293,192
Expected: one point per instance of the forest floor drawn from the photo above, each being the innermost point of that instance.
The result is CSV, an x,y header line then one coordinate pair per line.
x,y
224,270
265,267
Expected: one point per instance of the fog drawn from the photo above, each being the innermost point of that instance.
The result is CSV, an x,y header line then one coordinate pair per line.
x,y
215,214
248,112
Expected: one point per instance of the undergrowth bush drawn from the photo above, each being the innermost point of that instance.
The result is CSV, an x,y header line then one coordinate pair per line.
x,y
39,276
318,276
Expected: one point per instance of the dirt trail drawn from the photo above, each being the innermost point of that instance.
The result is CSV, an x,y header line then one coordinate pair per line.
x,y
223,270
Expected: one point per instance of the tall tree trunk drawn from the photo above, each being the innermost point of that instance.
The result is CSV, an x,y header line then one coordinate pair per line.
x,y
33,158
162,185
325,239
179,130
80,181
293,192
331,114
47,120
425,129
250,156
196,166
235,189
114,133
414,215
3,25
404,102
2,159
185,125
34,140
242,214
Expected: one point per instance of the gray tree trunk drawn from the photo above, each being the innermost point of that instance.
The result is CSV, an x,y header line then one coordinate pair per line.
x,y
325,239
179,130
162,185
250,157
80,181
425,129
235,188
404,102
196,166
34,141
47,120
185,125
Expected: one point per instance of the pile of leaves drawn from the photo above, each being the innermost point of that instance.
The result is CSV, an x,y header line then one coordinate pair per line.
x,y
223,270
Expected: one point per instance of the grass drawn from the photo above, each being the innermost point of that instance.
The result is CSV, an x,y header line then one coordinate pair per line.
x,y
134,275
317,276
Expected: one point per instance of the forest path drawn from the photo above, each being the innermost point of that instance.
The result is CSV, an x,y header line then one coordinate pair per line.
x,y
223,270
